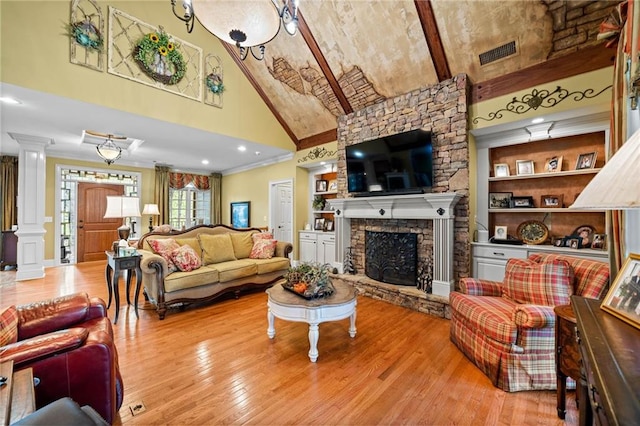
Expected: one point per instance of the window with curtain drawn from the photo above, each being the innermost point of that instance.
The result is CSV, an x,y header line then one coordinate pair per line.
x,y
189,206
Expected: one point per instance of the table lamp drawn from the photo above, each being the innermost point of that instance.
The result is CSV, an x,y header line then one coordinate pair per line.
x,y
151,210
122,207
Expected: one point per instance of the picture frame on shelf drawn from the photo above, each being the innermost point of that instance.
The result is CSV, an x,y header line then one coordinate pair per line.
x,y
500,170
500,200
321,185
586,161
551,201
525,167
500,232
328,225
553,164
623,298
574,243
519,202
240,214
599,242
585,234
318,224
333,185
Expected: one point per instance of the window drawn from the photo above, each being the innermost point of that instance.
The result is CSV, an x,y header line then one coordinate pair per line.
x,y
189,207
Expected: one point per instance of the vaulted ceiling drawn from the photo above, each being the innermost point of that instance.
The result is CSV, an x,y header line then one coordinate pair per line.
x,y
350,54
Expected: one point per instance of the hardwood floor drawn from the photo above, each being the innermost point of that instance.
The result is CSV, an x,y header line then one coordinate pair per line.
x,y
215,365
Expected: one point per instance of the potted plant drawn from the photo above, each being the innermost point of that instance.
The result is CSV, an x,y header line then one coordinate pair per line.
x,y
309,280
318,203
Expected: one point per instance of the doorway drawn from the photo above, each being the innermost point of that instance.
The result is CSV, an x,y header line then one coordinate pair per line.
x,y
95,233
281,209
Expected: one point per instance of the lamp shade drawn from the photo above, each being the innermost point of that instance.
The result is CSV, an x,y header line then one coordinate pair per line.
x,y
258,20
151,209
616,186
118,207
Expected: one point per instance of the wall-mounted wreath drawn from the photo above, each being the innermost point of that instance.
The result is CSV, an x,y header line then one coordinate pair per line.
x,y
86,34
214,83
159,58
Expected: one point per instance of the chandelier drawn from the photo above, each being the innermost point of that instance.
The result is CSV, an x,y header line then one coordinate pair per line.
x,y
109,151
247,24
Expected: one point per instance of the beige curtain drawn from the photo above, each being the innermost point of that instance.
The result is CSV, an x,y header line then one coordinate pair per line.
x,y
215,181
161,193
9,170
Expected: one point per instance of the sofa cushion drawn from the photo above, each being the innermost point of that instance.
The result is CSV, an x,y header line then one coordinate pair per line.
x,y
185,258
164,247
263,249
262,236
266,266
591,277
549,283
8,326
242,244
234,269
216,248
491,316
193,243
183,280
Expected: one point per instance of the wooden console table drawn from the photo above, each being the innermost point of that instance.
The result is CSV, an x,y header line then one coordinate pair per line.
x,y
567,354
609,347
17,397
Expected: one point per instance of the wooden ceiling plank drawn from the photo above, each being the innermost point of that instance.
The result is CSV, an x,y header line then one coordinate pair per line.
x,y
236,58
322,62
582,61
319,139
434,42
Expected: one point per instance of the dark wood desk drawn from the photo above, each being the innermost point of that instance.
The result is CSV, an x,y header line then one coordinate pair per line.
x,y
609,348
128,264
567,354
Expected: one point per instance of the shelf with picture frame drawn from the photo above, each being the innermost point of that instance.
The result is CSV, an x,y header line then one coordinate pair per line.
x,y
558,175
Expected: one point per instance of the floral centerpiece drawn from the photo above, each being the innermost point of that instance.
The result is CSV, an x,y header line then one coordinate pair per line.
x,y
158,56
309,280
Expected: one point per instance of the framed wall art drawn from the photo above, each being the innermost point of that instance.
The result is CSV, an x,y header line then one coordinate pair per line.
x,y
623,297
240,214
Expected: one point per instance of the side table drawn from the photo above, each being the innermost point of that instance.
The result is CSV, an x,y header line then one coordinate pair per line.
x,y
128,264
567,354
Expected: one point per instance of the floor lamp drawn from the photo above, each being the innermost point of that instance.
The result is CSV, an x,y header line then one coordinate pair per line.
x,y
151,210
122,207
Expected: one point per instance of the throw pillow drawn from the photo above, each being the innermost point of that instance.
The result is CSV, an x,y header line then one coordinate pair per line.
x,y
164,247
185,258
242,244
262,236
193,242
216,248
162,228
8,326
263,249
548,283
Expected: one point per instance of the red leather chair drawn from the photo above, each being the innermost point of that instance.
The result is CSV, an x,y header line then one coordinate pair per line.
x,y
68,342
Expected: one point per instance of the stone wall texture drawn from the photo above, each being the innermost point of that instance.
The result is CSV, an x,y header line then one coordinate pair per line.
x,y
442,109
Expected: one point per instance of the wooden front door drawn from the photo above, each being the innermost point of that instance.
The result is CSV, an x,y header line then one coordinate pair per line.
x,y
95,233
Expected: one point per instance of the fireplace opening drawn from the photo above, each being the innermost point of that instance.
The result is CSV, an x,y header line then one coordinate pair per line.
x,y
391,257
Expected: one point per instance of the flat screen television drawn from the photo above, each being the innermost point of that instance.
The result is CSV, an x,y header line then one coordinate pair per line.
x,y
396,164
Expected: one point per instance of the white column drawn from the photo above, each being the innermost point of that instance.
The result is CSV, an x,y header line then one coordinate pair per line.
x,y
31,197
443,254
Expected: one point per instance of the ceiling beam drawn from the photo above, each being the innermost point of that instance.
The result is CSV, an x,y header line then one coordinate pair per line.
x,y
319,139
322,62
432,35
233,52
579,62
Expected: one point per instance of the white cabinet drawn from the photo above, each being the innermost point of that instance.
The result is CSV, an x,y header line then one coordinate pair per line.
x,y
317,247
490,260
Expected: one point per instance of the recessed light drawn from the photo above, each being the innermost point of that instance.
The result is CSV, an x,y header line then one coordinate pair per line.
x,y
8,100
242,148
537,120
205,161
257,152
322,163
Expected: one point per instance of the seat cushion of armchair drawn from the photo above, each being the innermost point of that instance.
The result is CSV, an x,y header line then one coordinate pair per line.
x,y
492,317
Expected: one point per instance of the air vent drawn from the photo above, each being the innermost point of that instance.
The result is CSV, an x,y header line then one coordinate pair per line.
x,y
498,53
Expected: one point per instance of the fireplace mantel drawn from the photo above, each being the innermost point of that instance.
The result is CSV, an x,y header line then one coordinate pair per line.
x,y
438,207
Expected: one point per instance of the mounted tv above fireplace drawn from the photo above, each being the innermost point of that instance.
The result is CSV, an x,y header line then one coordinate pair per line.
x,y
396,164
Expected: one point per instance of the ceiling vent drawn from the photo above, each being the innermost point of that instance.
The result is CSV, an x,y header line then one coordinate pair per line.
x,y
498,53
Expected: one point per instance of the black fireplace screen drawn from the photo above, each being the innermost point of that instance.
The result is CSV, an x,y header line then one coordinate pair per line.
x,y
391,257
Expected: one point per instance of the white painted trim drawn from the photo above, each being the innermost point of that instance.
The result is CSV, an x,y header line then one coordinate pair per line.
x,y
272,187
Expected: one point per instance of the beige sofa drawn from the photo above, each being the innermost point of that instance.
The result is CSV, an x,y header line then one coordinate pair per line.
x,y
234,273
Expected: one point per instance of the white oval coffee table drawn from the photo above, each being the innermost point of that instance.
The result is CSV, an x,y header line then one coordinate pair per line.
x,y
288,306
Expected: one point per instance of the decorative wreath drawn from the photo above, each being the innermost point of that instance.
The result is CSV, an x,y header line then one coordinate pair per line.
x,y
86,34
159,58
214,83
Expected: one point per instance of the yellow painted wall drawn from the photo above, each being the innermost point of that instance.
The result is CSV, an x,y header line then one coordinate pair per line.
x,y
35,54
146,196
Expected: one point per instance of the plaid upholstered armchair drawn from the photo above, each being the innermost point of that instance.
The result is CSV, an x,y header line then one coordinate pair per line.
x,y
508,329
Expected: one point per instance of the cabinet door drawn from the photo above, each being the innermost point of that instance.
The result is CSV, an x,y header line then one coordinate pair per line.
x,y
326,249
489,269
307,250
